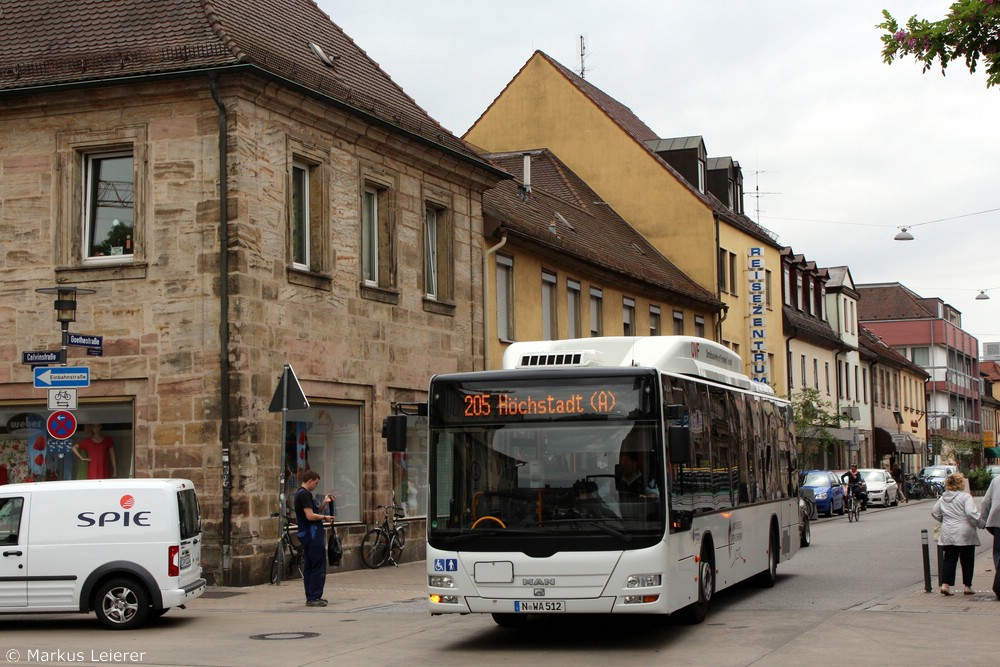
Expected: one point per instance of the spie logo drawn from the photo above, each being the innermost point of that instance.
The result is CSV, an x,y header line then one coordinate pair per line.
x,y
127,502
126,518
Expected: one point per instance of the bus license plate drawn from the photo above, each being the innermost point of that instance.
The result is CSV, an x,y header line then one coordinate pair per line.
x,y
539,606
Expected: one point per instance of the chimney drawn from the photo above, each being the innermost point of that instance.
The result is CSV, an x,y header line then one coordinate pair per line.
x,y
526,179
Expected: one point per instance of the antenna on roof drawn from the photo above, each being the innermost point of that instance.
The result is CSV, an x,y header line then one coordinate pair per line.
x,y
583,56
757,194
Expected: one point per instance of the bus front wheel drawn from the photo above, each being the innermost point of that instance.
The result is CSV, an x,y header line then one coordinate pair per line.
x,y
697,611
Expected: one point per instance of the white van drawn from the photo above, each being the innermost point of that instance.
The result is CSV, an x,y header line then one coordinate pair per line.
x,y
127,549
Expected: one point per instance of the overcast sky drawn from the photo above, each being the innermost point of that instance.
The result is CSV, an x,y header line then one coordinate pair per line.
x,y
841,147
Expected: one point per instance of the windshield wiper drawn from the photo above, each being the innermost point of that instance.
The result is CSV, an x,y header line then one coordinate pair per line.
x,y
600,524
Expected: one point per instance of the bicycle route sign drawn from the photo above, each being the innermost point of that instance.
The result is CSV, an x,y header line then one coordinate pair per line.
x,y
61,425
63,399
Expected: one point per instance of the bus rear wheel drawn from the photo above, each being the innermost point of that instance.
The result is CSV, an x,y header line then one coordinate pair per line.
x,y
768,577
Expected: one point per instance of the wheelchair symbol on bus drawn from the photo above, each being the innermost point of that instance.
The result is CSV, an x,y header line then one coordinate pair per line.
x,y
446,565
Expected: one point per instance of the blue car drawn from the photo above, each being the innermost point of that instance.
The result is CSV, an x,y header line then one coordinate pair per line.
x,y
828,492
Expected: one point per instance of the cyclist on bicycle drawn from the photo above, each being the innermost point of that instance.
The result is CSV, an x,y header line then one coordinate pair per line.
x,y
855,484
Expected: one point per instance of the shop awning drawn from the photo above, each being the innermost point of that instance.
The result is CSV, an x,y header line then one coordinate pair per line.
x,y
905,444
992,452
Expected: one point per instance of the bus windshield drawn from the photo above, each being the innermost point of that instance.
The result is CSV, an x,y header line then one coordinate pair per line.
x,y
538,466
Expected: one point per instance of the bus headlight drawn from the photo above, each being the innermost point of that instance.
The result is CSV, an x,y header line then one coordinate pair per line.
x,y
443,599
440,581
643,580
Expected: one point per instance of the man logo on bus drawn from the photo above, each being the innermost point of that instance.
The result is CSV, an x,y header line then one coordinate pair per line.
x,y
127,502
695,349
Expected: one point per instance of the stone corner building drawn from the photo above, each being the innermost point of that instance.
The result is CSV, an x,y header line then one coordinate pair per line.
x,y
242,188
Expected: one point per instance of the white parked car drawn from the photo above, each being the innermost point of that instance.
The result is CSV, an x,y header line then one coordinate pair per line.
x,y
882,488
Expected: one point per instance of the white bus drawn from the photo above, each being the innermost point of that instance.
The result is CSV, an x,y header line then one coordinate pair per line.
x,y
606,475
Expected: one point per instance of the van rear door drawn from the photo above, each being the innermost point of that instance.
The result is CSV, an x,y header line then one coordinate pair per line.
x,y
190,524
14,550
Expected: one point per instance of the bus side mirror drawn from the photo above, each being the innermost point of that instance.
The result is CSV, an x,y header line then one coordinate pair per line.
x,y
394,432
679,441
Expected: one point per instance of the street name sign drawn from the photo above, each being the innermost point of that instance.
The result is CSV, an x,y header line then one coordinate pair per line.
x,y
61,376
83,340
41,357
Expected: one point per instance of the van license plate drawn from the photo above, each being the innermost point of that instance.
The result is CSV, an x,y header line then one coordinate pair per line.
x,y
185,560
539,606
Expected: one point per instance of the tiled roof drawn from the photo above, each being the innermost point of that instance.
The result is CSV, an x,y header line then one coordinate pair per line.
x,y
563,214
990,370
889,301
812,329
67,42
645,137
868,339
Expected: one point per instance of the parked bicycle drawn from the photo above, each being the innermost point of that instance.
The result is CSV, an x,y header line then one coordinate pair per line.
x,y
287,559
917,487
384,543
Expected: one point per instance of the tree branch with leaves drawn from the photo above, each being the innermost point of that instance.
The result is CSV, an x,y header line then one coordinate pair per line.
x,y
970,32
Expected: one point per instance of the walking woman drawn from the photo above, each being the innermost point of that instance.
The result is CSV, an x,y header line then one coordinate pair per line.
x,y
959,519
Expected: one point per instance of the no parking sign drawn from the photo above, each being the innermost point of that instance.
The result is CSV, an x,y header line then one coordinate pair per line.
x,y
61,424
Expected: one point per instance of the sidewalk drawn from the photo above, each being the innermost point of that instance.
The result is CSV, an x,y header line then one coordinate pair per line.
x,y
366,590
351,591
983,602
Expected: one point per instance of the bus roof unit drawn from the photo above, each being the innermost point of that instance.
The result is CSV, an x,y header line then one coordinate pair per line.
x,y
682,355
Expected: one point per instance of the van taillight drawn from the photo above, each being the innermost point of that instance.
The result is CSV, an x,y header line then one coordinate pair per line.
x,y
173,561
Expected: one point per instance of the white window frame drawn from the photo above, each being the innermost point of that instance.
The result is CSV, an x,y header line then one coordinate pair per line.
x,y
550,325
596,312
574,304
431,277
369,236
628,316
505,297
654,321
301,216
91,207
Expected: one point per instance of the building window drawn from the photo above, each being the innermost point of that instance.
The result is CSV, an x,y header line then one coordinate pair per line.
x,y
301,237
437,254
767,287
816,374
573,307
826,371
699,326
678,322
505,298
723,287
327,439
549,315
921,356
596,312
628,316
377,254
732,274
654,320
787,285
802,370
109,212
811,296
798,290
822,301
864,385
791,371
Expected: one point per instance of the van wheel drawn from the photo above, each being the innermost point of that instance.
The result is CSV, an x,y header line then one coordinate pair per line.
x,y
121,604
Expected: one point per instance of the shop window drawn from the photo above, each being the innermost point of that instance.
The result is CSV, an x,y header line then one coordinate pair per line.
x,y
101,448
327,439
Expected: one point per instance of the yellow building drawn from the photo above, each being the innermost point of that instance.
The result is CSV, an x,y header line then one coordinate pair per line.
x,y
562,264
548,106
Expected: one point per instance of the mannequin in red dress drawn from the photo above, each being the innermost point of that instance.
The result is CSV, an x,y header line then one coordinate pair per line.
x,y
98,451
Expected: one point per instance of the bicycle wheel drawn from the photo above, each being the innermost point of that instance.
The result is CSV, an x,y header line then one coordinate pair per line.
x,y
396,547
276,564
375,548
850,510
295,560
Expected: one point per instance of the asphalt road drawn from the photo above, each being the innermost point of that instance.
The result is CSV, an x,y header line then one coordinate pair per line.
x,y
858,588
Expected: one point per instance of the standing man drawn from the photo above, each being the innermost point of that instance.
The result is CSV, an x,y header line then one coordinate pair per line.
x,y
310,535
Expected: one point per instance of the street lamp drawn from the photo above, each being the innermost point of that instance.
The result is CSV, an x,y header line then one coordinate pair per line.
x,y
65,306
903,235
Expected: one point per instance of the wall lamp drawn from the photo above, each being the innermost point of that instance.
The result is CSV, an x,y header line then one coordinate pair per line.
x,y
65,305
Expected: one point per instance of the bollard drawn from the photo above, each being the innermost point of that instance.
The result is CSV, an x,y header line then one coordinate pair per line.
x,y
927,560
